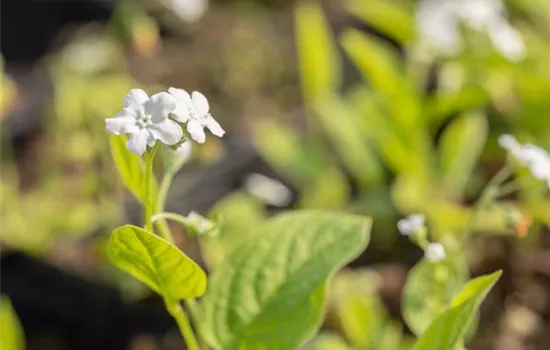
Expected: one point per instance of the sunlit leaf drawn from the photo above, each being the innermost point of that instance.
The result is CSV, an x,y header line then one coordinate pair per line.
x,y
461,145
270,293
12,337
157,263
352,146
317,54
388,17
447,330
328,341
131,169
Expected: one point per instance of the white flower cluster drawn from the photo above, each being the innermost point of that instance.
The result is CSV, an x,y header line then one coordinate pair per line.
x,y
411,224
439,20
536,159
148,119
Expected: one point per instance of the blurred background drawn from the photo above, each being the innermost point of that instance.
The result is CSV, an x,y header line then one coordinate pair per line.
x,y
377,107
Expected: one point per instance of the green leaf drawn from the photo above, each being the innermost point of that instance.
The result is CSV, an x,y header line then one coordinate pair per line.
x,y
328,341
460,149
157,263
353,147
447,330
386,16
317,55
380,66
429,289
360,311
129,166
12,337
270,293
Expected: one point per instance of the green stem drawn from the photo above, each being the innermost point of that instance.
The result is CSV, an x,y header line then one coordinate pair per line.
x,y
184,326
170,216
488,194
163,227
149,157
192,306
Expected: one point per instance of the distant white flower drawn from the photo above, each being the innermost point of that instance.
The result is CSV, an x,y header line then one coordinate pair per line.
x,y
435,252
438,24
188,10
411,224
536,159
146,120
268,190
195,111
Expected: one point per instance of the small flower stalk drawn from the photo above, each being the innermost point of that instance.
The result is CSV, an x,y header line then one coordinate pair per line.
x,y
414,227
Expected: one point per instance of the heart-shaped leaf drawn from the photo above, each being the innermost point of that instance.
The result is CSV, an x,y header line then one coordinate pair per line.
x,y
447,330
157,263
270,293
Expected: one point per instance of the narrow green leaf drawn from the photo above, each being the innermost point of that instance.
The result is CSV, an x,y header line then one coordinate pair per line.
x,y
388,17
429,289
460,149
380,67
270,293
353,147
155,262
129,166
317,55
12,337
447,330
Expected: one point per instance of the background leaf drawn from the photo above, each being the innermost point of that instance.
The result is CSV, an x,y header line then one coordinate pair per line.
x,y
447,330
328,341
461,145
317,55
12,337
155,262
270,293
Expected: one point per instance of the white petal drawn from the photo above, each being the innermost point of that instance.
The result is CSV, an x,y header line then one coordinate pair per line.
x,y
159,105
122,124
137,143
214,127
135,98
507,40
200,103
168,131
181,95
151,140
182,113
435,252
196,131
184,151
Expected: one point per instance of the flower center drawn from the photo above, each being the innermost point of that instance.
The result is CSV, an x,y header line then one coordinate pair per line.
x,y
143,121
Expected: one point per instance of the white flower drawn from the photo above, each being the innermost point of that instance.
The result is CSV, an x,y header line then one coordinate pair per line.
x,y
195,111
435,252
184,151
438,24
188,10
146,120
268,190
536,159
411,224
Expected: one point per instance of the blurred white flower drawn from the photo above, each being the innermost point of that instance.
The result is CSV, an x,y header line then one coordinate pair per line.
x,y
146,120
536,159
195,111
268,190
184,151
438,23
411,224
435,252
188,10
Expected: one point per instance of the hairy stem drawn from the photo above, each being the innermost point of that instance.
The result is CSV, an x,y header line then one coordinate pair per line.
x,y
184,326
